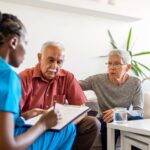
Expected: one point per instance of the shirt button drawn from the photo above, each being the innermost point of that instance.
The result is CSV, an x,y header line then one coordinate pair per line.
x,y
47,106
47,95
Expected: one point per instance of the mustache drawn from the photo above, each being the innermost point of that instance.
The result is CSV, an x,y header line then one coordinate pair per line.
x,y
52,70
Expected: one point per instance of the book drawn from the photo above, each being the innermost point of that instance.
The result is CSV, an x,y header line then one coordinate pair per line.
x,y
69,114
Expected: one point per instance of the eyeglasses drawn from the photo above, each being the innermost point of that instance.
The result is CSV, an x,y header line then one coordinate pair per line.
x,y
116,64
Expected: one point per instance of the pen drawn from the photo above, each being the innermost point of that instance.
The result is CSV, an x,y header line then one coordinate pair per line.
x,y
54,104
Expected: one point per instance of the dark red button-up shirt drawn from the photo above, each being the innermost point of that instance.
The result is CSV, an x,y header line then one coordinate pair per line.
x,y
38,92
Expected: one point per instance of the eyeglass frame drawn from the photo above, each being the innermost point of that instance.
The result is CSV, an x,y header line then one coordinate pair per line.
x,y
116,65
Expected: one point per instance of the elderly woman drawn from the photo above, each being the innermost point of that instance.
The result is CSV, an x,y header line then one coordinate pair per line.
x,y
116,89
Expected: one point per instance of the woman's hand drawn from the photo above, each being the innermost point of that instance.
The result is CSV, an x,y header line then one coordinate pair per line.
x,y
108,115
50,118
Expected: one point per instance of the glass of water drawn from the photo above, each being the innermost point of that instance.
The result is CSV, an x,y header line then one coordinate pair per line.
x,y
120,115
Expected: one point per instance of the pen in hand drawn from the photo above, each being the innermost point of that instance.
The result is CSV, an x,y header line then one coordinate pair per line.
x,y
59,114
54,105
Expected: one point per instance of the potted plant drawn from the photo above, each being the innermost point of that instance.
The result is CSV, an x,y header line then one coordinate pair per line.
x,y
137,67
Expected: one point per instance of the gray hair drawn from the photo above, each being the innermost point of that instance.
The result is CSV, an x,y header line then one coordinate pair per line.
x,y
53,44
123,54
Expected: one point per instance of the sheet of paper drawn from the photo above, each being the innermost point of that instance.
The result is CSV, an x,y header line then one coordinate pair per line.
x,y
69,113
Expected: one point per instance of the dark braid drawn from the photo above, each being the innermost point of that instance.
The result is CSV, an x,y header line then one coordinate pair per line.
x,y
9,25
1,17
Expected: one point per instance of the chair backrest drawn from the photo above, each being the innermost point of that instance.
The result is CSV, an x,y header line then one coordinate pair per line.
x,y
146,89
146,104
146,84
92,101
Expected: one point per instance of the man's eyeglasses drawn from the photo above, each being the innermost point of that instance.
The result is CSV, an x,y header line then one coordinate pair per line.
x,y
116,65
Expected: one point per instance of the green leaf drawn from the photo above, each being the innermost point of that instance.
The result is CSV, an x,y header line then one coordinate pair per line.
x,y
129,39
112,41
141,53
147,68
130,53
103,56
138,69
135,70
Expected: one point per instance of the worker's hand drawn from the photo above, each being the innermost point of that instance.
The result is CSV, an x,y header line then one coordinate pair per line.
x,y
32,113
50,119
108,115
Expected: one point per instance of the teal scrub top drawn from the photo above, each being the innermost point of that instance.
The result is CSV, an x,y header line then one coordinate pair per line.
x,y
10,89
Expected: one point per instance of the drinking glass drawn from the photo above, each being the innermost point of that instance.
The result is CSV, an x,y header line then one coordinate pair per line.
x,y
120,115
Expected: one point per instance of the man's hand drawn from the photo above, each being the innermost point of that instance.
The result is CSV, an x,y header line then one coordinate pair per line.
x,y
108,115
32,113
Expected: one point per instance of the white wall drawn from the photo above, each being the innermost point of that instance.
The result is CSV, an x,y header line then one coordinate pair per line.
x,y
84,37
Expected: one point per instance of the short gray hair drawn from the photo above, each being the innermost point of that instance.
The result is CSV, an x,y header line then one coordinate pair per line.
x,y
53,44
123,54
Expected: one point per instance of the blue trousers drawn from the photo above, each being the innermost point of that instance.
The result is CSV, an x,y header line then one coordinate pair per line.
x,y
50,140
117,133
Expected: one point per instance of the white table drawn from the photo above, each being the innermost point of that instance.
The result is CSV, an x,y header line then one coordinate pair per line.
x,y
128,139
135,132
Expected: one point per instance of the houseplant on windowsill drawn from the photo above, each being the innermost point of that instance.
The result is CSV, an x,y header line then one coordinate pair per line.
x,y
137,67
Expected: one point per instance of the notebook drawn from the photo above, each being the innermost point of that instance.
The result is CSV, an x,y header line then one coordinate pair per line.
x,y
69,114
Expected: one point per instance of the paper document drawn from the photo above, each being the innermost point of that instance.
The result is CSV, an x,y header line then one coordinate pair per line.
x,y
69,114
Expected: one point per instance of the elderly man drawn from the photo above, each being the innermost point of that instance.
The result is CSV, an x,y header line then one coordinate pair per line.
x,y
46,83
116,89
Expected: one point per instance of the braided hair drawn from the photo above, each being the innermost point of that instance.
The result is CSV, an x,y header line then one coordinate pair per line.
x,y
10,25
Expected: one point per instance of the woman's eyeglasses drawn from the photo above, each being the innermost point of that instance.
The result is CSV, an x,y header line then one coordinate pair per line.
x,y
116,64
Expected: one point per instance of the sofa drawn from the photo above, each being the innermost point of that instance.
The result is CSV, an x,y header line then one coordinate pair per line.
x,y
92,103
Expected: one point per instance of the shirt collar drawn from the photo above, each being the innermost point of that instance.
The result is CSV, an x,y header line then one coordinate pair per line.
x,y
4,62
